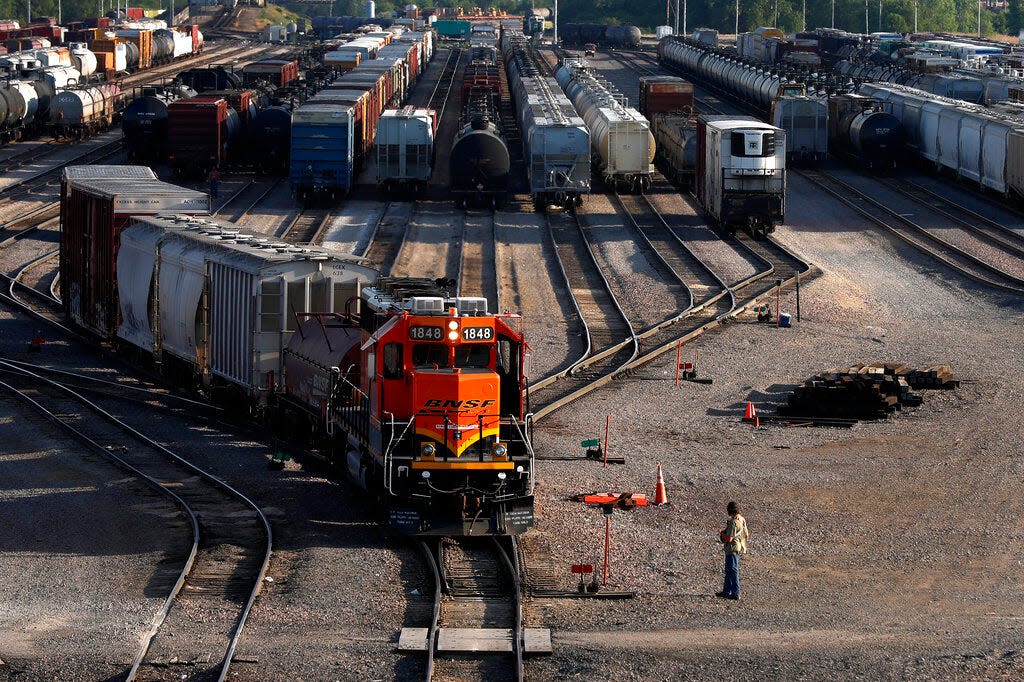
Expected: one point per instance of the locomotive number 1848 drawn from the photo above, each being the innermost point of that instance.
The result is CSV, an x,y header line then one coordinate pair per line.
x,y
425,333
477,333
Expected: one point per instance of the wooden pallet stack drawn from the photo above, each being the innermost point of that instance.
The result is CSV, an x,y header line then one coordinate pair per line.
x,y
864,391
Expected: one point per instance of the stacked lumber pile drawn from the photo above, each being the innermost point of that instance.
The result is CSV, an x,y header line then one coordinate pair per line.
x,y
864,391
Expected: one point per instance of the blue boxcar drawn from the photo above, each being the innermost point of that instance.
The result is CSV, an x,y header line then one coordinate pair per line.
x,y
321,151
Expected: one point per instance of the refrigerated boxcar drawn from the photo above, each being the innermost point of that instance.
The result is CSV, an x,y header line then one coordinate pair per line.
x,y
741,172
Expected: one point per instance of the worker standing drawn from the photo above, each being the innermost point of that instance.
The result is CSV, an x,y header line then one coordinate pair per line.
x,y
734,540
214,183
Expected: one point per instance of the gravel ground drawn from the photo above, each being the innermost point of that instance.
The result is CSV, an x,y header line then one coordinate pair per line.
x,y
637,282
432,242
62,155
89,560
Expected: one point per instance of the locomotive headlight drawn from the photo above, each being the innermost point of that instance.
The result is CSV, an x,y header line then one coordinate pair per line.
x,y
425,475
501,475
453,336
429,450
520,468
500,450
453,325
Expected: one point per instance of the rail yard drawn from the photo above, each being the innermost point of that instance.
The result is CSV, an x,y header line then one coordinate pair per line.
x,y
332,419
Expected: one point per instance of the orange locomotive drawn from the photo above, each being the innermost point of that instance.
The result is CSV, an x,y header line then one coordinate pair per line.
x,y
421,397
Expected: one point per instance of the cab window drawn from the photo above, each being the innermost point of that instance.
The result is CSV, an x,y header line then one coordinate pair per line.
x,y
392,361
472,355
427,355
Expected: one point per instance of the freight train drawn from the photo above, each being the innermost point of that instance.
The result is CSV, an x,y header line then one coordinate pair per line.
x,y
556,143
627,37
479,162
668,103
56,88
741,172
333,132
405,149
418,395
623,145
972,142
772,95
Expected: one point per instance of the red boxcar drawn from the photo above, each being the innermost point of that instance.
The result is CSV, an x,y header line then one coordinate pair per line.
x,y
135,13
93,213
200,131
665,94
277,72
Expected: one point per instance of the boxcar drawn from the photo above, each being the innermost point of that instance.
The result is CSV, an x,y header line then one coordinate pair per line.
x,y
93,213
741,172
321,150
200,131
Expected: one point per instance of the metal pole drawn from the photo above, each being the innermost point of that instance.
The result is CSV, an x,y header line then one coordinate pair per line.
x,y
607,545
979,18
915,17
737,18
28,11
805,16
556,23
798,297
684,15
833,13
668,13
879,15
679,359
866,29
607,423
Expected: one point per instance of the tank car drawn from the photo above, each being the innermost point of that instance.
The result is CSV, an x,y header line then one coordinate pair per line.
x,y
479,161
144,120
270,136
445,444
862,128
211,78
83,110
741,173
676,137
621,138
556,143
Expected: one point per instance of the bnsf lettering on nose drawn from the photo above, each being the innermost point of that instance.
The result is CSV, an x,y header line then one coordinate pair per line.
x,y
456,404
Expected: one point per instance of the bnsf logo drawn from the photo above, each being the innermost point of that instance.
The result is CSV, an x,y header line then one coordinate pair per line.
x,y
456,404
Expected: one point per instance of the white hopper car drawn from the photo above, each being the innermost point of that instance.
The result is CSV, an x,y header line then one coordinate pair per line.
x,y
556,143
201,294
621,137
404,145
973,142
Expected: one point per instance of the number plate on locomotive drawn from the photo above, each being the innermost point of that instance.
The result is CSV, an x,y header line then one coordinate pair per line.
x,y
425,333
477,333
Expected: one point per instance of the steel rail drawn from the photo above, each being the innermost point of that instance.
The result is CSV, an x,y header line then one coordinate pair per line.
x,y
436,616
179,461
948,254
512,565
993,232
623,340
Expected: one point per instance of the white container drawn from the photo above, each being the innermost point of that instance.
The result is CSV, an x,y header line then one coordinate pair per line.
x,y
371,9
662,31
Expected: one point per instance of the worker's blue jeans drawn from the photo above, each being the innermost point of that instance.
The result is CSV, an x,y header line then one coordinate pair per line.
x,y
731,588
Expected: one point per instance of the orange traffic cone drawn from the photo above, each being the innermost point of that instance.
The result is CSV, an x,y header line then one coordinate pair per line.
x,y
751,414
660,496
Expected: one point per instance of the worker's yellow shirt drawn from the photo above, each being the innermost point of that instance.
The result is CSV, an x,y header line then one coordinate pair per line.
x,y
737,528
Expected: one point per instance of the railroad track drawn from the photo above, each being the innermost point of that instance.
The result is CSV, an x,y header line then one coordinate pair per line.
x,y
995,233
46,295
915,235
308,226
41,179
477,609
247,198
611,339
231,538
385,244
478,271
443,87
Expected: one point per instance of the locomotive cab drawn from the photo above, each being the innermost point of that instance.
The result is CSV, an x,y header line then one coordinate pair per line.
x,y
436,418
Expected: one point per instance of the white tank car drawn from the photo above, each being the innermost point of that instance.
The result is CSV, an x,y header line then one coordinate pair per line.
x,y
83,59
182,43
28,100
60,77
620,136
741,178
84,110
53,56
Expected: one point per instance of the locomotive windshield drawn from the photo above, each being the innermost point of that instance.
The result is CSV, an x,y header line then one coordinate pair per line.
x,y
429,355
476,355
